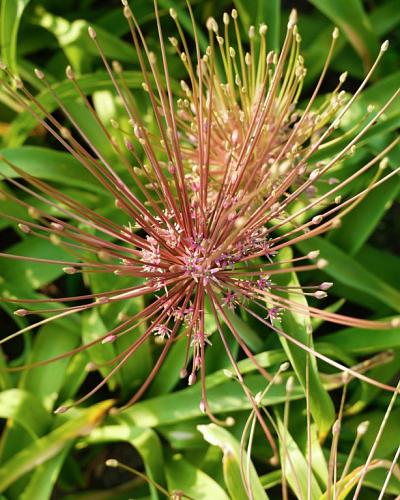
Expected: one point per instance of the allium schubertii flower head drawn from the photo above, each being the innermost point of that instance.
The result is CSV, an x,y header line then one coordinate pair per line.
x,y
212,195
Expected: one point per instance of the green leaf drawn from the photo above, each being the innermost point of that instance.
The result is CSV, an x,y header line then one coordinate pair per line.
x,y
296,465
44,477
261,11
350,16
297,325
100,354
48,165
10,18
344,486
365,217
182,476
26,409
385,264
184,405
362,341
147,443
50,445
348,271
184,19
46,381
23,125
28,275
73,38
220,437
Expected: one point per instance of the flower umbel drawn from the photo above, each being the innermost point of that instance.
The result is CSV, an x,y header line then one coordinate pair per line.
x,y
210,197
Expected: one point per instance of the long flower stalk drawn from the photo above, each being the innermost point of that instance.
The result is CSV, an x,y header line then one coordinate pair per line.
x,y
223,181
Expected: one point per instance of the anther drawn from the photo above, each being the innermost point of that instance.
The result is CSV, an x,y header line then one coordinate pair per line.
x,y
21,312
39,74
385,46
92,33
69,270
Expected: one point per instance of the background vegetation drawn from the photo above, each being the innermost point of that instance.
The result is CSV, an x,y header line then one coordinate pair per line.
x,y
165,435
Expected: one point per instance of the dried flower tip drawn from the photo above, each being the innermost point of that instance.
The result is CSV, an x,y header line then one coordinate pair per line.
x,y
152,58
173,41
127,12
284,366
61,409
314,174
34,212
202,406
3,66
173,14
384,163
103,300
117,66
252,32
395,322
92,33
192,379
56,240
320,294
21,312
317,219
183,373
270,57
212,25
336,427
290,384
321,263
57,226
313,254
65,133
124,3
336,123
335,33
263,29
326,285
258,398
24,228
109,339
346,377
225,18
39,73
385,46
111,462
70,270
90,367
362,428
18,82
229,421
232,52
292,19
343,77
69,73
338,199
228,373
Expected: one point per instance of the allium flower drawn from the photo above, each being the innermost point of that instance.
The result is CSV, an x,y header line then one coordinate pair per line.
x,y
210,196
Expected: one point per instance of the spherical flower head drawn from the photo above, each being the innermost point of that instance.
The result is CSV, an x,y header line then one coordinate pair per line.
x,y
211,199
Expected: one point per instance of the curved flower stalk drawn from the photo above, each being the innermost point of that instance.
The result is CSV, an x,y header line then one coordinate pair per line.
x,y
210,196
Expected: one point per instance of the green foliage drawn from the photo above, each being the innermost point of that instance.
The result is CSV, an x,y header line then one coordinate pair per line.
x,y
168,437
